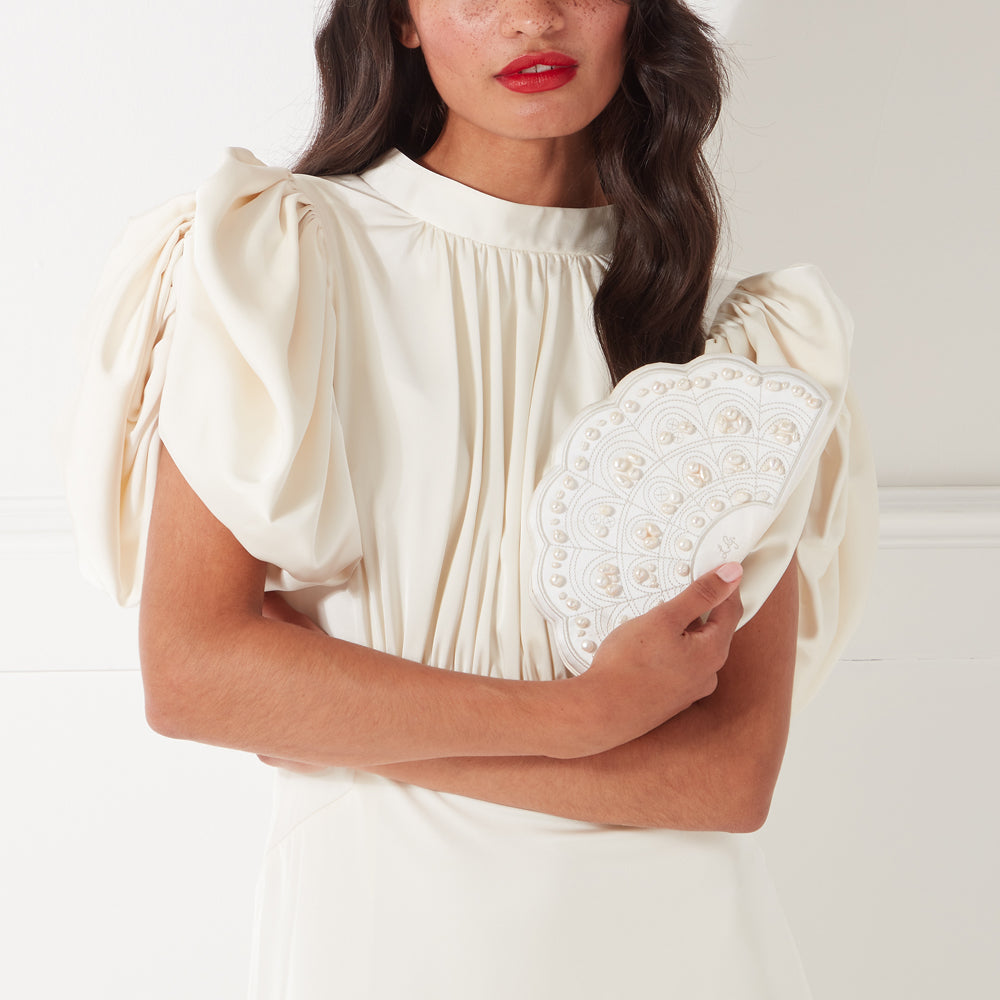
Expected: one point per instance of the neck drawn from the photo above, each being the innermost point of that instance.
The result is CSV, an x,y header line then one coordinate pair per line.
x,y
559,172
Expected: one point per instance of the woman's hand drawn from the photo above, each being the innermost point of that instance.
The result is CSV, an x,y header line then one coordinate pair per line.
x,y
712,767
656,665
645,672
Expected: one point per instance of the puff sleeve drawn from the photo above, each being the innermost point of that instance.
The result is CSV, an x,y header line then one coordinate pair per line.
x,y
213,331
792,318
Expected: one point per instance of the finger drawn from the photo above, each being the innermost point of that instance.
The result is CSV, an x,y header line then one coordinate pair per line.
x,y
706,593
727,614
724,618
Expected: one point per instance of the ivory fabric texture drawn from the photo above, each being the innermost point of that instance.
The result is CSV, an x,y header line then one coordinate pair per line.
x,y
363,378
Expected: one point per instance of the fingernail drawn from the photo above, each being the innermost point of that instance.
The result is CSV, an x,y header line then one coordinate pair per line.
x,y
730,572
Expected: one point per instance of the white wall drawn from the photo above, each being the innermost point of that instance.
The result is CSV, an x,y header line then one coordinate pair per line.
x,y
859,138
862,137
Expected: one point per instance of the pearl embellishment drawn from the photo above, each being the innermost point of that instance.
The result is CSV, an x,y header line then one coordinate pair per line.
x,y
680,466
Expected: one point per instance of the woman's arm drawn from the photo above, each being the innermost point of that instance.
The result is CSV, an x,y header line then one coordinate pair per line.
x,y
216,671
712,767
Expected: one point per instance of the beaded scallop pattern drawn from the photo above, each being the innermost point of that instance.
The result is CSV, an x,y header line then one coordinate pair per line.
x,y
681,469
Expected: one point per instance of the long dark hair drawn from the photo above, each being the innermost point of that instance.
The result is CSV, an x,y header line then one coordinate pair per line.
x,y
376,94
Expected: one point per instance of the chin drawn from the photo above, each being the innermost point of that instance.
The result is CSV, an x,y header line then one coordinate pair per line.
x,y
547,129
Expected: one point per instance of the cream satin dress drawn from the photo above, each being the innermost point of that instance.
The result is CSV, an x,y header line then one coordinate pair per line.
x,y
363,377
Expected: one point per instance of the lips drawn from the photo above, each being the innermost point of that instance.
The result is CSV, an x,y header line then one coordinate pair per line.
x,y
537,71
554,60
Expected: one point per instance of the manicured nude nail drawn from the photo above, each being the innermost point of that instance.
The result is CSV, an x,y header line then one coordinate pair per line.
x,y
730,572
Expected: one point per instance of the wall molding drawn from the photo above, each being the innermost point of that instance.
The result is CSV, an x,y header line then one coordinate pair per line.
x,y
911,517
939,517
35,524
936,567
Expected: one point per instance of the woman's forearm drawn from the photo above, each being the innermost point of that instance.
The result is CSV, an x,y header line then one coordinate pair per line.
x,y
712,767
278,690
688,774
216,671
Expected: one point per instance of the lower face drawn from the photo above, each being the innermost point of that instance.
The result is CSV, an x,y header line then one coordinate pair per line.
x,y
521,69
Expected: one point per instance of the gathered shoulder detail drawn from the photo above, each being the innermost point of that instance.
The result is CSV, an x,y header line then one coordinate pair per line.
x,y
213,331
793,318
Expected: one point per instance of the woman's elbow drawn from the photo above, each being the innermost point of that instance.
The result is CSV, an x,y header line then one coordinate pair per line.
x,y
747,815
748,802
735,799
169,700
175,666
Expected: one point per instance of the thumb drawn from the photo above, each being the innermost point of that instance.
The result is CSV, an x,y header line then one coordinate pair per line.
x,y
705,593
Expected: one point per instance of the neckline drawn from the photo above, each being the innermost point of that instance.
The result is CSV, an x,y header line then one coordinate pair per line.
x,y
464,211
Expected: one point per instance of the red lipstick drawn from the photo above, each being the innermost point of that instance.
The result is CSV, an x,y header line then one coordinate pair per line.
x,y
537,71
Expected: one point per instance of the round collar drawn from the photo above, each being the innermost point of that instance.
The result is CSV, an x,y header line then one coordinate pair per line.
x,y
464,211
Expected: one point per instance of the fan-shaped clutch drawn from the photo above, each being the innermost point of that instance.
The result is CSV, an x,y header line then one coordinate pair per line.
x,y
681,469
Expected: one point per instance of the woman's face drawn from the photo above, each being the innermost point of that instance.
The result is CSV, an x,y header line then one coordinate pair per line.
x,y
521,69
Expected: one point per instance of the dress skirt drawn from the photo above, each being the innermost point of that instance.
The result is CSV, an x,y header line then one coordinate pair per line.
x,y
376,890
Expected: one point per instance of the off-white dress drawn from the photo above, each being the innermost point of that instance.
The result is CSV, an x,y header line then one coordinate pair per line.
x,y
363,377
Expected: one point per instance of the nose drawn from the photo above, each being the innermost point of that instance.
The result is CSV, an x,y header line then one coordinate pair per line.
x,y
530,18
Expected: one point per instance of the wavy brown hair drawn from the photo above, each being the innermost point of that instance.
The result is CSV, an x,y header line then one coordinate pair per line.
x,y
376,94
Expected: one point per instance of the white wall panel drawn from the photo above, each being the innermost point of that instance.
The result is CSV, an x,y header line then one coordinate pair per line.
x,y
111,109
882,836
862,137
127,862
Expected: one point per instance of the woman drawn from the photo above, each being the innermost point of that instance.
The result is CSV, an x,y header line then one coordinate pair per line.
x,y
345,384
